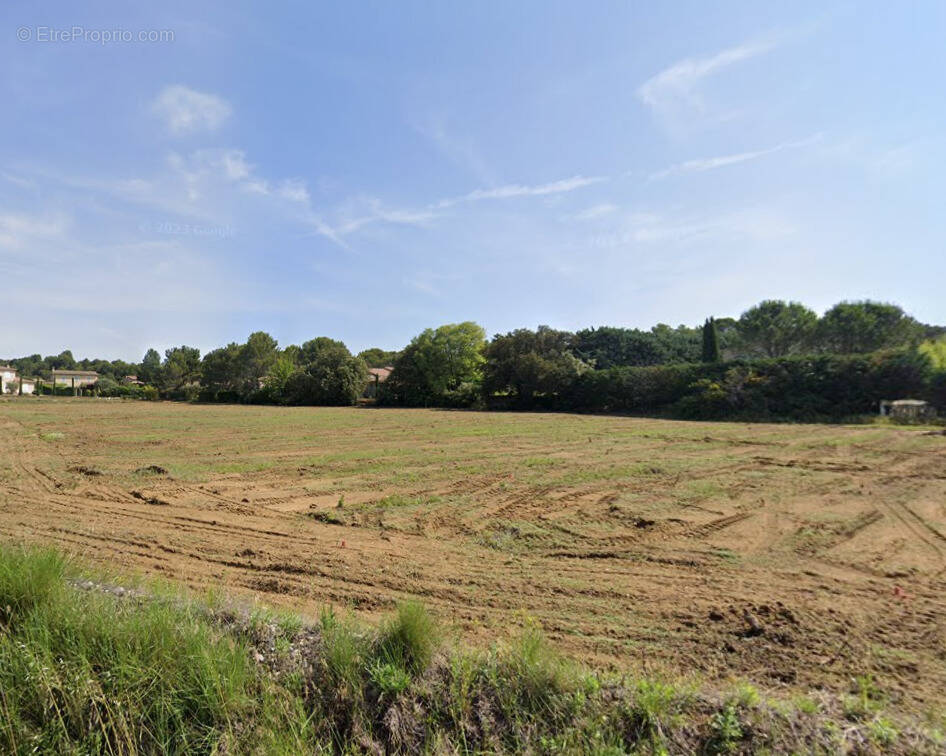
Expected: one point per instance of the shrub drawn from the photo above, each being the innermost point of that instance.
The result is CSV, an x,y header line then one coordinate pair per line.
x,y
727,730
27,579
150,393
410,638
82,673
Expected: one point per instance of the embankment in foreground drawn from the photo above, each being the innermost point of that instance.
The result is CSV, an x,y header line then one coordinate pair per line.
x,y
88,665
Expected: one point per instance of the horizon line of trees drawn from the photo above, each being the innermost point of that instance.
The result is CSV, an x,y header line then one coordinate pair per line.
x,y
455,365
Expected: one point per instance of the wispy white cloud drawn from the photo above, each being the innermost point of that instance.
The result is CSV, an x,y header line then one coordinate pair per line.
x,y
674,92
20,181
594,212
235,165
19,230
208,184
185,110
757,224
359,213
371,211
213,186
881,158
699,165
509,191
294,190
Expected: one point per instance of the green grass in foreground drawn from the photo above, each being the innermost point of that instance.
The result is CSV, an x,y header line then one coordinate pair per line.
x,y
88,671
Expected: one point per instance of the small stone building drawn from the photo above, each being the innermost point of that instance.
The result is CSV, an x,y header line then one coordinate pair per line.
x,y
7,378
907,409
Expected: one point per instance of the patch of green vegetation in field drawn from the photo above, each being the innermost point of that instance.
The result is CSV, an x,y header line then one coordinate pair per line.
x,y
701,490
243,466
401,501
727,555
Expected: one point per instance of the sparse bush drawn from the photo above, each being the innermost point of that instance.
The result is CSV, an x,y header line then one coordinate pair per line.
x,y
390,679
150,393
883,732
27,579
410,638
533,670
343,653
653,705
727,730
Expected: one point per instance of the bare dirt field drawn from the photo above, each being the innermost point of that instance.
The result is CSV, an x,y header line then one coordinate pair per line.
x,y
795,556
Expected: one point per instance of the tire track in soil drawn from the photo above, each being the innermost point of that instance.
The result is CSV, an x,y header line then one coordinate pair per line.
x,y
625,581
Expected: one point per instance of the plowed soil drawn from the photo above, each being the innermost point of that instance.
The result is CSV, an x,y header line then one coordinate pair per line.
x,y
795,556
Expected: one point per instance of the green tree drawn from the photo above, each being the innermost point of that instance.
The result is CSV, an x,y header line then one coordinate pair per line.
x,y
150,370
293,353
63,361
680,344
219,369
866,326
118,369
311,349
608,347
377,357
529,363
279,377
28,366
181,369
333,378
255,359
437,364
774,328
935,351
710,342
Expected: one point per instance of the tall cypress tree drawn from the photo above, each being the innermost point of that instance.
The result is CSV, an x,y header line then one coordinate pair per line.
x,y
710,341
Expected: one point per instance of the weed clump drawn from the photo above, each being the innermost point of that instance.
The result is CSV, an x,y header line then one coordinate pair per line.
x,y
409,639
83,673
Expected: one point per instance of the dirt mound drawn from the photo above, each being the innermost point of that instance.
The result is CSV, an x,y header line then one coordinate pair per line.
x,y
90,472
152,470
152,500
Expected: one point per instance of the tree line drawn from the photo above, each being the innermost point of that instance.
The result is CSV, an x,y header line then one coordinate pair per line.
x,y
777,359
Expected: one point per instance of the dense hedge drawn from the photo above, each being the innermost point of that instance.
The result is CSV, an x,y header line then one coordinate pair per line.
x,y
821,386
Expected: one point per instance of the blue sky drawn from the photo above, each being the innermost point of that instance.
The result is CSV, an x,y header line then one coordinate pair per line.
x,y
366,170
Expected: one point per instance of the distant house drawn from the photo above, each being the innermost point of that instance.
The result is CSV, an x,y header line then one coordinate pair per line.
x,y
76,379
132,380
7,378
376,376
11,383
907,409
